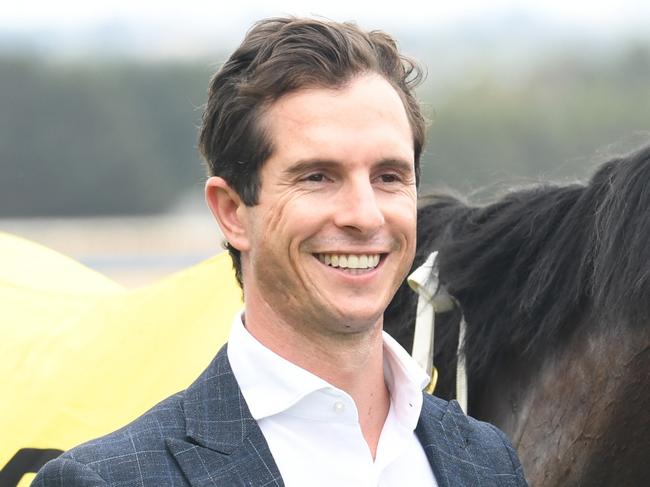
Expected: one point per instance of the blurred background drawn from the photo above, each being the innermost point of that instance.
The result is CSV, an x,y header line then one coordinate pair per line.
x,y
100,103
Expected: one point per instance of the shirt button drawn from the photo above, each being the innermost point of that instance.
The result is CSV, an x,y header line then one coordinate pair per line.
x,y
339,407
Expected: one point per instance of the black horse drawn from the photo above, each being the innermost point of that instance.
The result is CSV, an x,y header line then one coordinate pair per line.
x,y
554,283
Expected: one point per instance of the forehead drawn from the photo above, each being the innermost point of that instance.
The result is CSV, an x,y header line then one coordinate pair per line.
x,y
364,119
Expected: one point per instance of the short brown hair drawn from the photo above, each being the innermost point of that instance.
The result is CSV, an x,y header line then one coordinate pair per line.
x,y
283,55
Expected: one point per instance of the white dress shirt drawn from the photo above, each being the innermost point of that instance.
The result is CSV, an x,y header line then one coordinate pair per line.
x,y
312,428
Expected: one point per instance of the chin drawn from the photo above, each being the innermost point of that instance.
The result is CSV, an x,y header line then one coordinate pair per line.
x,y
358,320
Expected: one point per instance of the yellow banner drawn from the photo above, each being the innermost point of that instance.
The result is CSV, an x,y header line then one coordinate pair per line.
x,y
82,356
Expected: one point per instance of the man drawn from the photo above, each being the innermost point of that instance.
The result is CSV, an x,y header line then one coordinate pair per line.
x,y
312,136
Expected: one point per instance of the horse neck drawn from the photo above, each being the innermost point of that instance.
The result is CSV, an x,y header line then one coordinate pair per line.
x,y
579,415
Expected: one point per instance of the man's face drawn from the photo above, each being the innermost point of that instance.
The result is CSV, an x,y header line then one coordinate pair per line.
x,y
333,234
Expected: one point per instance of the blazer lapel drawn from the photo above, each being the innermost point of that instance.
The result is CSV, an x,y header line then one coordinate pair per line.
x,y
443,431
225,445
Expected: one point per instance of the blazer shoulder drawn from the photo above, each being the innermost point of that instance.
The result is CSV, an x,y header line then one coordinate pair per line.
x,y
134,453
147,432
473,441
434,405
64,472
495,442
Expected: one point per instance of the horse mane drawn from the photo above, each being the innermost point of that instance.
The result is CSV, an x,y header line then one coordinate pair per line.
x,y
535,266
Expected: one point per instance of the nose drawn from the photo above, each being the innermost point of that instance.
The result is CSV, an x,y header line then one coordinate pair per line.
x,y
359,209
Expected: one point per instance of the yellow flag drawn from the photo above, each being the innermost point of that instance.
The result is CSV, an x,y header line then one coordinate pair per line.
x,y
82,356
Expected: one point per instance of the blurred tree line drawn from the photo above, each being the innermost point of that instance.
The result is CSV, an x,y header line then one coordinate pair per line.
x,y
103,138
83,138
555,122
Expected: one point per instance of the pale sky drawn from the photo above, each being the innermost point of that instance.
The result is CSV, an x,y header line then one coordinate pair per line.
x,y
155,29
26,14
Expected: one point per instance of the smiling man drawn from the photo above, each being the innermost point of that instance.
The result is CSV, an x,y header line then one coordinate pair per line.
x,y
312,137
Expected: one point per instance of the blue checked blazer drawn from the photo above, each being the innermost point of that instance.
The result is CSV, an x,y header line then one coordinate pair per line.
x,y
206,436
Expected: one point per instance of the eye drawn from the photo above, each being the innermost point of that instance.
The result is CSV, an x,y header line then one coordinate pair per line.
x,y
316,177
389,178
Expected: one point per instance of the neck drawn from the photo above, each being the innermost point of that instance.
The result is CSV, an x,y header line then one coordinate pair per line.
x,y
352,362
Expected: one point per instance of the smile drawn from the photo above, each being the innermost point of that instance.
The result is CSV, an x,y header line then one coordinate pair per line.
x,y
350,261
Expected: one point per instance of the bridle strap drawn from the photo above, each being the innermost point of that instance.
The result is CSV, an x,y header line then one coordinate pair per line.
x,y
424,281
432,299
461,370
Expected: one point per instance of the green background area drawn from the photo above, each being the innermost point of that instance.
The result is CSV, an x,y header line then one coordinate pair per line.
x,y
83,137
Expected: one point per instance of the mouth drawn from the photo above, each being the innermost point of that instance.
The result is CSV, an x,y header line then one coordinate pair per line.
x,y
351,263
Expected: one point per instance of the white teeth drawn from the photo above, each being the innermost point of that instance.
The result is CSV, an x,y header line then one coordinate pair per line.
x,y
350,261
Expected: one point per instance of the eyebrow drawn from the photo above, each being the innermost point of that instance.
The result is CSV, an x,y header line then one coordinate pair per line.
x,y
304,165
301,166
399,164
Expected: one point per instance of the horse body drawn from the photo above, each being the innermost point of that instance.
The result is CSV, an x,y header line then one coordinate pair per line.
x,y
554,283
579,417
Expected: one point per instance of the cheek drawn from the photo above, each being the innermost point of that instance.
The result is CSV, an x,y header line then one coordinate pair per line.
x,y
271,222
295,214
402,215
285,224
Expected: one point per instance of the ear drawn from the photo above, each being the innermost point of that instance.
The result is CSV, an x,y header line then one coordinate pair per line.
x,y
229,211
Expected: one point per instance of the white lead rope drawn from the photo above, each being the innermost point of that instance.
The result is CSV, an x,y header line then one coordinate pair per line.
x,y
461,371
424,281
433,298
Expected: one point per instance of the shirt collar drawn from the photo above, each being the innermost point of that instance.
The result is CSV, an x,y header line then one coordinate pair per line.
x,y
405,380
271,384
